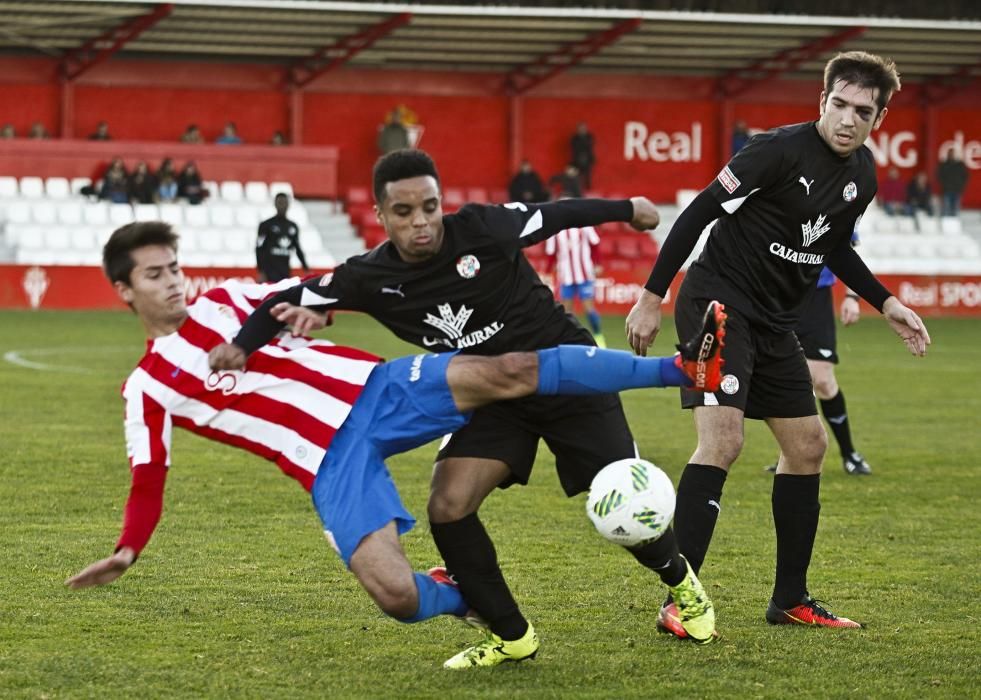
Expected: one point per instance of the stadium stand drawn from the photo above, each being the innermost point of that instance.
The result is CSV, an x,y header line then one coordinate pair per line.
x,y
43,223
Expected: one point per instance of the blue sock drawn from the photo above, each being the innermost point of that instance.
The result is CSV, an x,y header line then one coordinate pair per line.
x,y
582,369
436,599
594,320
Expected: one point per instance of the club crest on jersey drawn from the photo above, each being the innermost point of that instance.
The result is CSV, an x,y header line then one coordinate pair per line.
x,y
468,266
850,192
814,231
730,384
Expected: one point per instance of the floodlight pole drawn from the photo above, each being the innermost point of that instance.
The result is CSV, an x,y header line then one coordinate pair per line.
x,y
303,71
95,51
530,75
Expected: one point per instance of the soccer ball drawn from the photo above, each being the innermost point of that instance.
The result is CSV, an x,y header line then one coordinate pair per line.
x,y
631,502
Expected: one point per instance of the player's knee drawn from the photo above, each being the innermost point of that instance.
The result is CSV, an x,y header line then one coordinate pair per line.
x,y
825,387
449,506
720,449
810,450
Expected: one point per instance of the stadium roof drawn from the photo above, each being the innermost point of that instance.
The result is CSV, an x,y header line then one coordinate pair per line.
x,y
526,44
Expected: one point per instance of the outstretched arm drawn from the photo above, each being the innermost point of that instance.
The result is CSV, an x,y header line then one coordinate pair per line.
x,y
644,319
141,515
537,222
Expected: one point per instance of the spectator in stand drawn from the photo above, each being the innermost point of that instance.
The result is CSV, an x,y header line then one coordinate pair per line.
x,y
892,193
527,186
393,135
567,182
142,185
918,195
192,134
229,137
115,183
101,132
38,131
278,139
167,168
740,135
167,188
583,156
952,176
189,185
278,238
8,132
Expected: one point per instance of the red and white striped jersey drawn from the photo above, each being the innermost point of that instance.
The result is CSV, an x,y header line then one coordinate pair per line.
x,y
572,249
286,406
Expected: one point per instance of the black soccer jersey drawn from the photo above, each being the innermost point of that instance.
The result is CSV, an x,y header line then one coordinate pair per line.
x,y
478,294
278,238
791,201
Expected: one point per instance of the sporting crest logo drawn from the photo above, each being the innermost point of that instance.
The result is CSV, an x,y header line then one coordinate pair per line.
x,y
814,231
35,285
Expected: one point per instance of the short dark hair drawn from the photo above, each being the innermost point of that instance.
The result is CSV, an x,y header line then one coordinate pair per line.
x,y
117,261
401,165
865,70
281,194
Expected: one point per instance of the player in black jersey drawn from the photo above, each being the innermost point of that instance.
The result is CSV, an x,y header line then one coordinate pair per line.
x,y
786,205
460,283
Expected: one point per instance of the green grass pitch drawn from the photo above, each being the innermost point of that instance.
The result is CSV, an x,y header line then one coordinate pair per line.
x,y
239,596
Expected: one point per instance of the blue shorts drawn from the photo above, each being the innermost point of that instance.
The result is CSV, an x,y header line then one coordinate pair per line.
x,y
584,290
405,403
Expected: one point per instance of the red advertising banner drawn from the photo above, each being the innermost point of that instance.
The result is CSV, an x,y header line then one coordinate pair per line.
x,y
69,287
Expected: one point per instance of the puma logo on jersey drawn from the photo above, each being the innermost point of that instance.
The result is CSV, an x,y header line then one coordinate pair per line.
x,y
807,185
393,290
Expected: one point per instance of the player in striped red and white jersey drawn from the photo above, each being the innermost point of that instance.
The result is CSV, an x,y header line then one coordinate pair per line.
x,y
576,265
327,415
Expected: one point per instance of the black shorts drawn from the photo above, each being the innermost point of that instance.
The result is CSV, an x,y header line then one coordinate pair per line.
x,y
585,433
816,328
765,374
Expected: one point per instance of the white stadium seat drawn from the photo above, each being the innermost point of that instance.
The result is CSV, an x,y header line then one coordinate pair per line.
x,y
8,187
95,213
120,214
256,192
57,188
44,213
211,241
298,213
950,224
69,212
58,238
311,242
188,242
30,237
239,241
83,238
278,187
78,183
247,216
232,191
222,215
196,215
18,212
172,213
146,212
212,188
32,187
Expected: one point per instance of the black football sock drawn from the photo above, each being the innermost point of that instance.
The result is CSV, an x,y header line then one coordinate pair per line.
x,y
698,508
661,557
796,509
470,556
837,417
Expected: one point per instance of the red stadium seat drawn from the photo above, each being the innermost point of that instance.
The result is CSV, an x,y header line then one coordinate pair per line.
x,y
500,197
628,247
358,195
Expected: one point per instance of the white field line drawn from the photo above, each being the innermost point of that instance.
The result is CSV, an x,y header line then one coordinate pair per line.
x,y
17,357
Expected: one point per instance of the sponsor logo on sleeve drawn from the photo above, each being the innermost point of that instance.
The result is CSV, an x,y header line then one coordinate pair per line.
x,y
730,183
